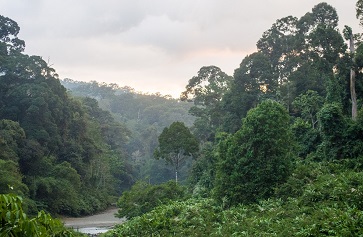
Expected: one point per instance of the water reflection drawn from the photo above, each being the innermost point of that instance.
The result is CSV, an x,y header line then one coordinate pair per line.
x,y
93,230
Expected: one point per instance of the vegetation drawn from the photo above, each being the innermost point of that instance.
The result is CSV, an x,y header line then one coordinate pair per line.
x,y
144,197
256,158
275,150
63,155
176,144
145,116
281,145
319,199
14,221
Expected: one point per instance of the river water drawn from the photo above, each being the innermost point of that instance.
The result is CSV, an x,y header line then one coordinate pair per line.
x,y
95,224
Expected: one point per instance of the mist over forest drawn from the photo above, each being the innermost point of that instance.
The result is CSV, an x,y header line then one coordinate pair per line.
x,y
273,150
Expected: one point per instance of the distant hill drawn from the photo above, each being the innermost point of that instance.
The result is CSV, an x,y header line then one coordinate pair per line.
x,y
145,115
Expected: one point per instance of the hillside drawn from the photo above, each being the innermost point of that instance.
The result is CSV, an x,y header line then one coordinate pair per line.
x,y
145,116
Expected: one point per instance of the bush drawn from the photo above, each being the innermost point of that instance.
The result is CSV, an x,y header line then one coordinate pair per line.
x,y
144,197
194,217
14,222
326,201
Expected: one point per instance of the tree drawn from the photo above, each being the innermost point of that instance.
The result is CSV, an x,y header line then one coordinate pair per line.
x,y
304,52
279,43
334,129
359,11
348,35
256,158
11,178
208,87
9,41
309,104
254,81
176,143
206,90
60,150
11,138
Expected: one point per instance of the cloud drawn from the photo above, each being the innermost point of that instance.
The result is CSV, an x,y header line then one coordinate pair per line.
x,y
152,45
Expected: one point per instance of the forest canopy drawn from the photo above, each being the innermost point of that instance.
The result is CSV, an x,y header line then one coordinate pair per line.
x,y
274,149
56,150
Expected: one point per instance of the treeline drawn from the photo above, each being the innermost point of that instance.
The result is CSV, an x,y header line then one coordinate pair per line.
x,y
280,141
145,116
61,154
305,65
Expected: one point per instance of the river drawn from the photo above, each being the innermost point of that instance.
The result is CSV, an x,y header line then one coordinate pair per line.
x,y
95,224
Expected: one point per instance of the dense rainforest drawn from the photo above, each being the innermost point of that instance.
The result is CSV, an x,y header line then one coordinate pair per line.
x,y
274,150
280,141
60,153
145,116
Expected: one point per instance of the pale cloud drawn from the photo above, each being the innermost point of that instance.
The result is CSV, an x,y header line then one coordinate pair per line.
x,y
152,45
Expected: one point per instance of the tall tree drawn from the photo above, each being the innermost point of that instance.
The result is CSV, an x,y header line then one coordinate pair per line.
x,y
304,52
206,90
9,41
254,81
176,143
256,158
359,11
348,35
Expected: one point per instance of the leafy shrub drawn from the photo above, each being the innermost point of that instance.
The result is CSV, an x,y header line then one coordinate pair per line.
x,y
193,217
144,197
326,200
14,222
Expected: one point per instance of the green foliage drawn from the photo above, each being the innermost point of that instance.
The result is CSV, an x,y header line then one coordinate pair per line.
x,y
176,143
359,11
68,156
186,218
11,179
254,82
145,116
319,199
333,127
14,221
58,147
309,104
202,174
206,90
58,195
303,52
11,138
257,158
9,41
307,137
176,139
144,197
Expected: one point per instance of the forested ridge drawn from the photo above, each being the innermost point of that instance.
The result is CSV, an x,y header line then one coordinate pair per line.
x,y
274,150
62,154
145,116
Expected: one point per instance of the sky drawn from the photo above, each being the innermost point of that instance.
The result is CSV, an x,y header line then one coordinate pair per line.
x,y
151,45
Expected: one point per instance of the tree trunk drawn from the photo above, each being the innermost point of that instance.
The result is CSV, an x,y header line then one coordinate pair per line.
x,y
353,94
177,167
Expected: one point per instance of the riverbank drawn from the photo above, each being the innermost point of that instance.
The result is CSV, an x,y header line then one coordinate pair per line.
x,y
98,223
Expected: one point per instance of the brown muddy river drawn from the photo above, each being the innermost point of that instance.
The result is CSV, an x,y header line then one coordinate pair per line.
x,y
94,224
